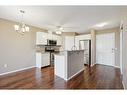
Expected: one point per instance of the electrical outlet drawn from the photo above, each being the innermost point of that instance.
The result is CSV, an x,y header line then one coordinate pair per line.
x,y
5,65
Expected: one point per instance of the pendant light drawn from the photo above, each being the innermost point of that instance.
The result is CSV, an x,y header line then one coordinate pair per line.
x,y
74,47
21,27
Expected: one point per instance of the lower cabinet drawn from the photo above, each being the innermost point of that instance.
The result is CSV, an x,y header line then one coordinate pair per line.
x,y
42,59
45,59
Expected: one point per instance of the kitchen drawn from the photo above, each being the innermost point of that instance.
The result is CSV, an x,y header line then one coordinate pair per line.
x,y
46,45
51,45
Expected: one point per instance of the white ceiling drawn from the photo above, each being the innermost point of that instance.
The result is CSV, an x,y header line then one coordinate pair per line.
x,y
82,18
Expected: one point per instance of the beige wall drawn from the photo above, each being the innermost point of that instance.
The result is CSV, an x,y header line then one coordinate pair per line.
x,y
116,30
16,51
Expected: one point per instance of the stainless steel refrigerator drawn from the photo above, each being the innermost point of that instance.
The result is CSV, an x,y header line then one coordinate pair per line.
x,y
86,46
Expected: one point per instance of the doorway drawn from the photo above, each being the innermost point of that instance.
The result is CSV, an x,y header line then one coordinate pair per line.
x,y
86,46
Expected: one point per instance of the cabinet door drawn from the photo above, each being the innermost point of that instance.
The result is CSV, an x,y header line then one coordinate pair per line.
x,y
59,40
45,59
55,37
50,36
38,60
41,38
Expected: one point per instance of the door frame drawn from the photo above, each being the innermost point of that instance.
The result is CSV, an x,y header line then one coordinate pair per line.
x,y
121,51
89,50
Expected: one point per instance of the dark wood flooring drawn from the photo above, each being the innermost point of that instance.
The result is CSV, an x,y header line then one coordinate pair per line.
x,y
96,77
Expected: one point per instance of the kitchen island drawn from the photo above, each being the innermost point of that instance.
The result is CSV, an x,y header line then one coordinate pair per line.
x,y
69,63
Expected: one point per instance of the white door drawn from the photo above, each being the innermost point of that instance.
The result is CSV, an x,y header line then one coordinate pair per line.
x,y
105,49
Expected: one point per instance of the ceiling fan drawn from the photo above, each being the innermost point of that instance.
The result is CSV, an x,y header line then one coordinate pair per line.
x,y
59,29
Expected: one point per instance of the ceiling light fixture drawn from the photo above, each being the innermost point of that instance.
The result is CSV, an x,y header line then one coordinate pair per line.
x,y
59,30
21,27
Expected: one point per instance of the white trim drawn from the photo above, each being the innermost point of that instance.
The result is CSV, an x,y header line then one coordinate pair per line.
x,y
109,65
66,79
123,85
93,64
121,51
106,65
117,67
16,70
74,74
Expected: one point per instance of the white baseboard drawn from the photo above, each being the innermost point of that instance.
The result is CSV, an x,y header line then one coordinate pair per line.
x,y
123,85
74,75
104,64
109,65
17,70
117,66
93,64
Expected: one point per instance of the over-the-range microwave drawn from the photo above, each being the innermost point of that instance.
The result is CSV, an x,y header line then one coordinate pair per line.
x,y
51,42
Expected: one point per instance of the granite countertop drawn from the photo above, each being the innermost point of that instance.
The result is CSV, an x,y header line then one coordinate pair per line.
x,y
39,51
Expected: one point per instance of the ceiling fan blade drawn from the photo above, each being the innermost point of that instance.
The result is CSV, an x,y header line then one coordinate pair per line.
x,y
71,27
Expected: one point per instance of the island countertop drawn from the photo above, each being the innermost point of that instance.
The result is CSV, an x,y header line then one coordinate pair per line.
x,y
63,52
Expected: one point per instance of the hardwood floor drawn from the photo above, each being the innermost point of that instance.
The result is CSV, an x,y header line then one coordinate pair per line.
x,y
96,77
